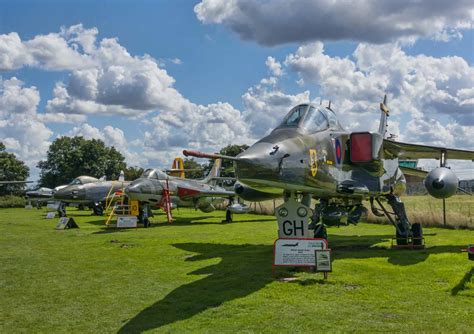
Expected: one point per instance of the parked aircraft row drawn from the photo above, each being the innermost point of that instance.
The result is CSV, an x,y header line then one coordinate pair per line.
x,y
308,156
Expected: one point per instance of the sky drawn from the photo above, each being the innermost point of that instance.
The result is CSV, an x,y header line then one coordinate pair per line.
x,y
155,77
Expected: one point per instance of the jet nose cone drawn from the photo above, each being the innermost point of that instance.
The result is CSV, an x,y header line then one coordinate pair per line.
x,y
261,160
73,194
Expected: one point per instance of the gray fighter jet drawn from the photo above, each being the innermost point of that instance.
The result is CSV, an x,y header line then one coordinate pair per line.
x,y
310,155
88,191
150,190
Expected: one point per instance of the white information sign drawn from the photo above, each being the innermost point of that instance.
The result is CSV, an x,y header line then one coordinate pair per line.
x,y
53,205
50,215
297,252
323,260
127,221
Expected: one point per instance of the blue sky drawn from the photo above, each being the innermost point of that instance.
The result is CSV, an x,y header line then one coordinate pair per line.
x,y
217,55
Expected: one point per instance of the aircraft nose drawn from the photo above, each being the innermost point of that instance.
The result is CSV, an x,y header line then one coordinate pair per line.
x,y
75,193
261,160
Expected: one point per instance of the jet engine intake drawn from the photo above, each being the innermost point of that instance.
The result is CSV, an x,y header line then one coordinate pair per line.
x,y
441,182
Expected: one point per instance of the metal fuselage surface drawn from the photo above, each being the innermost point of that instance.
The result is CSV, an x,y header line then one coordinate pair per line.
x,y
296,158
150,189
89,192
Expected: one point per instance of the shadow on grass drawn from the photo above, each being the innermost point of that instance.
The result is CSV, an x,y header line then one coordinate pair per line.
x,y
361,247
461,286
243,269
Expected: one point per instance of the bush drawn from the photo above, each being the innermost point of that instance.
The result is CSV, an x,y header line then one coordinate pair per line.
x,y
10,201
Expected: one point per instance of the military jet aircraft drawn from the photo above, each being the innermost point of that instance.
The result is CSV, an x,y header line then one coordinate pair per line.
x,y
153,186
41,195
310,155
88,191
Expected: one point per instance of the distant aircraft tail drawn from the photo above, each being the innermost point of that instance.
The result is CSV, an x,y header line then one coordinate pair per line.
x,y
177,168
214,173
103,178
121,177
384,113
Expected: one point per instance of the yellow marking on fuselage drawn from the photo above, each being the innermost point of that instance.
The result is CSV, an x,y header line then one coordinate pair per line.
x,y
313,161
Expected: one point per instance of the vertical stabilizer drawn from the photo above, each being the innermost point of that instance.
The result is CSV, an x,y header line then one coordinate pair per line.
x,y
177,168
384,113
214,173
121,177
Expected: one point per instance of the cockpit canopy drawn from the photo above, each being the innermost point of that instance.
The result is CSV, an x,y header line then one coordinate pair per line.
x,y
310,119
83,180
153,173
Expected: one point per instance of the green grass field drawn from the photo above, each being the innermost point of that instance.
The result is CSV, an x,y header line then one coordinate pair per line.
x,y
199,275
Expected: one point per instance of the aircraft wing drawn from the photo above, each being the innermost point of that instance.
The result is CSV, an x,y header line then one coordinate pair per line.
x,y
413,171
415,151
14,182
191,192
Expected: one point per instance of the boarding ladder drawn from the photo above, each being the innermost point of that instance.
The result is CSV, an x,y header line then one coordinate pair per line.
x,y
165,203
115,204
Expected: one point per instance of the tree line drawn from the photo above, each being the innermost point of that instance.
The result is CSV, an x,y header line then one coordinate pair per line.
x,y
69,157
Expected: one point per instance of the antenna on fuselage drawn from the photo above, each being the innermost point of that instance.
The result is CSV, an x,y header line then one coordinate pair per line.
x,y
329,106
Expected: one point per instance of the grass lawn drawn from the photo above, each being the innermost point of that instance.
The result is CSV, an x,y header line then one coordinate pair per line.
x,y
198,275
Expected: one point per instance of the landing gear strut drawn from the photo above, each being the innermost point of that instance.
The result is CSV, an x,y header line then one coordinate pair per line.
x,y
319,227
62,209
406,233
97,209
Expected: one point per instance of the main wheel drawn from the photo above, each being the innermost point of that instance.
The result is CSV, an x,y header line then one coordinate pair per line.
x,y
228,216
417,232
402,236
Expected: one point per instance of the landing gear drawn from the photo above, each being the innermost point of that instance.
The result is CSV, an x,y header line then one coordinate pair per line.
x,y
62,209
143,214
319,227
97,209
406,234
228,216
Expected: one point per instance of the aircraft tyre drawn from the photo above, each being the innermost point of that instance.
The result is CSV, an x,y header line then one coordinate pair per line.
x,y
417,232
320,231
402,237
228,216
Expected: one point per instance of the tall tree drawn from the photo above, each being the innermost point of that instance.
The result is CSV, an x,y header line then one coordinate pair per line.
x,y
133,173
70,157
232,151
196,173
11,169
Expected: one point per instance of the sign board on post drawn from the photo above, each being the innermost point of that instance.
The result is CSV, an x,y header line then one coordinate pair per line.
x,y
65,223
50,215
126,221
297,252
292,217
52,205
323,260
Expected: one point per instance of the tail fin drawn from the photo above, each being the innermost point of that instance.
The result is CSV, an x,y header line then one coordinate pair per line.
x,y
177,168
214,173
385,112
121,177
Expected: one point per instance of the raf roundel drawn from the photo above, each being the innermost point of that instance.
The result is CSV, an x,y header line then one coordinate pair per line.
x,y
338,151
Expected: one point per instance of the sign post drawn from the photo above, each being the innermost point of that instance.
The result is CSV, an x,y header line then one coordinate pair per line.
x,y
292,217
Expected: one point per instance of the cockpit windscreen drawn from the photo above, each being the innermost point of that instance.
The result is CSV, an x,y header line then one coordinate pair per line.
x,y
154,174
294,117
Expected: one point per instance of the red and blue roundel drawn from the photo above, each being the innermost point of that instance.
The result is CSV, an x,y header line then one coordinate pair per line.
x,y
338,151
